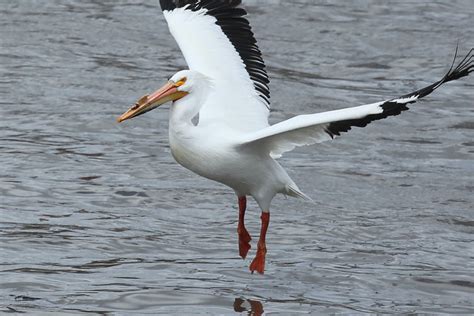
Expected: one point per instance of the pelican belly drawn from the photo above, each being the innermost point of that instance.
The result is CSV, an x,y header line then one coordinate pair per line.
x,y
215,157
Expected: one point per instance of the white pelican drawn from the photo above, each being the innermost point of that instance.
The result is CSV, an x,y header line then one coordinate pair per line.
x,y
226,87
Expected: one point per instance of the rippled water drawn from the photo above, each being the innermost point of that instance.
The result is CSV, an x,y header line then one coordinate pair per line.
x,y
96,216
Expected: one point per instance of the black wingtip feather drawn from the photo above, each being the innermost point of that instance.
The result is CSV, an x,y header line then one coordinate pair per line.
x,y
167,5
393,108
464,68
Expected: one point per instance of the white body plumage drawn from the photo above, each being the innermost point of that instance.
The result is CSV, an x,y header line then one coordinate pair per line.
x,y
213,150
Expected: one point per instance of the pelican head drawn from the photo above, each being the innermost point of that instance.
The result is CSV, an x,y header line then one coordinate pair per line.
x,y
180,84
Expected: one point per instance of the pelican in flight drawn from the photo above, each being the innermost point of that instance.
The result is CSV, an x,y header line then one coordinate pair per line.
x,y
225,90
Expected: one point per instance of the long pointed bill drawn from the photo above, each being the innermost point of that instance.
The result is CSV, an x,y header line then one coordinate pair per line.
x,y
169,92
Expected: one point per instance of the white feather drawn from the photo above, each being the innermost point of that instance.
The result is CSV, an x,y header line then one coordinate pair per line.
x,y
303,130
234,101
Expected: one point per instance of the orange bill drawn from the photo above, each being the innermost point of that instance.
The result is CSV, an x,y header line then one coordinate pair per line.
x,y
169,92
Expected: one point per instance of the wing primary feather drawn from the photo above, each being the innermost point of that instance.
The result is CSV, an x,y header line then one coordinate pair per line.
x,y
396,106
167,5
315,128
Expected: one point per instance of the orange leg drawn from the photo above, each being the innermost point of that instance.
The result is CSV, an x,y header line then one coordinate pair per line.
x,y
244,236
258,264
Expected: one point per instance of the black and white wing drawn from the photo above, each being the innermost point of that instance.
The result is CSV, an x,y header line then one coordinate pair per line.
x,y
316,128
217,40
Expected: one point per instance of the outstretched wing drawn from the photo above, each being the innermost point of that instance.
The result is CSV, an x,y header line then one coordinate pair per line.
x,y
315,128
217,41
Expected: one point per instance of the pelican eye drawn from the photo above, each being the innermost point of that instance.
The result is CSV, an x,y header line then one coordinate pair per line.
x,y
181,82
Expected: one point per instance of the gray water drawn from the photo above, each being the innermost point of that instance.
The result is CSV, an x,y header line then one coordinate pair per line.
x,y
97,217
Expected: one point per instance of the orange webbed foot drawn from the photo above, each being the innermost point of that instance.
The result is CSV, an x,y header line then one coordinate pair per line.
x,y
258,263
244,242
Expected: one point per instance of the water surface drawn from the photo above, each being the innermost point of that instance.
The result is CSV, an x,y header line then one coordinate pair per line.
x,y
97,217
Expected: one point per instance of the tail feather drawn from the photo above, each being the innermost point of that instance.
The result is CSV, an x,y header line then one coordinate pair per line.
x,y
294,191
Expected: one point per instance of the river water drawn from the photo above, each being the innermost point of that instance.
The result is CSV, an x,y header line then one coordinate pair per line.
x,y
97,217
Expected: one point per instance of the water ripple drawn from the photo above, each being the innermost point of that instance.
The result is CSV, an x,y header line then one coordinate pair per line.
x,y
97,218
